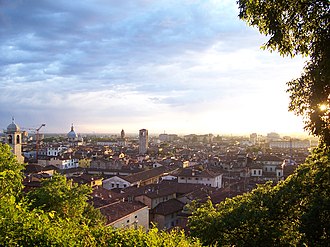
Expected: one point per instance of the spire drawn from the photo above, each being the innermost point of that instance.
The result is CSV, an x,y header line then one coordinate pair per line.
x,y
72,127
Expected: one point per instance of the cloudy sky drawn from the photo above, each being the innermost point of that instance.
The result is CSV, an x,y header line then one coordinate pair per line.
x,y
179,66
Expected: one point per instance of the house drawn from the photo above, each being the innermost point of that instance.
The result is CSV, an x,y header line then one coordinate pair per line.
x,y
88,179
55,150
200,176
123,214
150,176
119,182
166,214
255,170
271,166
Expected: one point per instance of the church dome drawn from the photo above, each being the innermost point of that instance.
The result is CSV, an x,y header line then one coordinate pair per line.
x,y
13,127
72,134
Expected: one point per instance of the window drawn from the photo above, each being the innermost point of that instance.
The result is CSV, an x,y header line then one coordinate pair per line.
x,y
10,139
127,221
189,178
112,185
254,172
135,216
196,178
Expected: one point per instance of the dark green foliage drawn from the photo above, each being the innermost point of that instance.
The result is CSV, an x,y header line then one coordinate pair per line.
x,y
294,212
299,27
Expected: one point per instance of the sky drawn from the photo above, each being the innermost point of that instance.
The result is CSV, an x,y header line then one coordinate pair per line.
x,y
173,66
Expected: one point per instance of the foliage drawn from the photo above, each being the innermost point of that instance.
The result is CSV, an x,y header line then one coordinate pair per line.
x,y
299,27
58,214
10,173
66,199
294,212
139,238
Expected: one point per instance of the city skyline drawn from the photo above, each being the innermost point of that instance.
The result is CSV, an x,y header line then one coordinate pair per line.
x,y
175,66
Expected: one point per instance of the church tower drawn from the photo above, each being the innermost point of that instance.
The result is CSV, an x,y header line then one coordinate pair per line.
x,y
122,134
14,140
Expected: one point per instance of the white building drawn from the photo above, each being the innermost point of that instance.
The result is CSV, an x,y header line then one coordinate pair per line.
x,y
55,151
195,176
287,144
115,182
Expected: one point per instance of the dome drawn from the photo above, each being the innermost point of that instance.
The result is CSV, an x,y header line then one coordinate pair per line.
x,y
13,127
72,134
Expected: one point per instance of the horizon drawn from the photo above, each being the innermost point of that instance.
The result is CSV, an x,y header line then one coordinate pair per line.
x,y
179,66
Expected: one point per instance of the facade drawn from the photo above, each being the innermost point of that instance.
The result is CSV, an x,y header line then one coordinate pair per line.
x,y
55,151
115,182
166,214
122,214
290,144
143,141
60,163
195,176
14,140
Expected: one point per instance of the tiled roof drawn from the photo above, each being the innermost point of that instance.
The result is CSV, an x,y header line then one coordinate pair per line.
x,y
120,209
164,188
269,158
144,175
169,207
189,172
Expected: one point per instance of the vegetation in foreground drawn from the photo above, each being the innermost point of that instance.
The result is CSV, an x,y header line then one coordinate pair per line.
x,y
58,214
295,212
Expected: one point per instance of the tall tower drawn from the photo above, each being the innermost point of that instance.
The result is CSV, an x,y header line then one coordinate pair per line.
x,y
14,140
143,141
122,134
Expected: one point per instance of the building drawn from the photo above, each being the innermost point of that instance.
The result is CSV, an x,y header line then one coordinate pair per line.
x,y
122,134
197,176
122,214
166,214
272,136
73,138
137,179
287,144
14,140
143,141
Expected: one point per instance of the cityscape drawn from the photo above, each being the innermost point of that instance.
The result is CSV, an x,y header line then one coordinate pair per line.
x,y
143,180
183,123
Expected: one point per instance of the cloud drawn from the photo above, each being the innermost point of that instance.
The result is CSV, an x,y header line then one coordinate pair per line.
x,y
101,63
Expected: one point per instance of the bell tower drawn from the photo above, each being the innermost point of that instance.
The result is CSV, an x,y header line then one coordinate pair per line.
x,y
14,140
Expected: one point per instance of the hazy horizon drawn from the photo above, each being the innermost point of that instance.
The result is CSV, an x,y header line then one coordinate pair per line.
x,y
175,66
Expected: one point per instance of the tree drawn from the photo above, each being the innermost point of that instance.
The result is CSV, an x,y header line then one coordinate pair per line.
x,y
66,199
299,27
296,212
10,173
